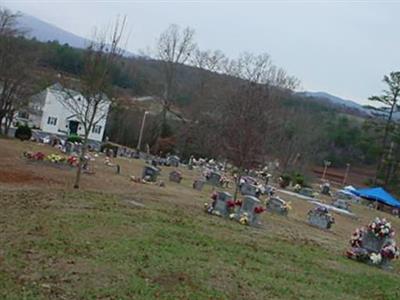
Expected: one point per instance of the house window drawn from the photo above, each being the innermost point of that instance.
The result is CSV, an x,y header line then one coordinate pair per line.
x,y
23,115
96,129
52,121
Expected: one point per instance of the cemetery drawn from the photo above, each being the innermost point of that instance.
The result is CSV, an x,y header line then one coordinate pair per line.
x,y
173,214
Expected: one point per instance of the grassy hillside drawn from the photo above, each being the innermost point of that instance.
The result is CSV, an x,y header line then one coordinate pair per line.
x,y
115,239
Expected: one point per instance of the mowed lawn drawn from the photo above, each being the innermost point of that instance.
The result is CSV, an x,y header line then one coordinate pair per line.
x,y
115,239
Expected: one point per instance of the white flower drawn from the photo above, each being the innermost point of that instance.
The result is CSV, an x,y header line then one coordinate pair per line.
x,y
388,225
375,258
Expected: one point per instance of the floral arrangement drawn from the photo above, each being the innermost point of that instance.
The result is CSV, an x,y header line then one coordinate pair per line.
x,y
55,158
34,155
72,160
244,219
259,209
381,229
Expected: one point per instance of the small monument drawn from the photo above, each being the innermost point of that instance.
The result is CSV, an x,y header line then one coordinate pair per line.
x,y
320,217
198,184
173,161
248,189
150,173
342,204
175,176
214,178
249,211
374,244
222,204
278,206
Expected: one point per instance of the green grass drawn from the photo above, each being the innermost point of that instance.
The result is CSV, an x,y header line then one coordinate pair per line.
x,y
86,245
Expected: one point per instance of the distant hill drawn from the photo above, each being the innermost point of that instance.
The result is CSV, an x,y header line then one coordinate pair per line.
x,y
44,32
336,101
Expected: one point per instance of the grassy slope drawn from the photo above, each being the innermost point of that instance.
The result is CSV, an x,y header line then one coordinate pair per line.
x,y
96,243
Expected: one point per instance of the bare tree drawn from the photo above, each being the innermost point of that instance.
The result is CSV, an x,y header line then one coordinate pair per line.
x,y
16,64
95,84
247,111
174,48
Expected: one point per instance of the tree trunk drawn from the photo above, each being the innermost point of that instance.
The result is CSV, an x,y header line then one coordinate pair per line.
x,y
80,164
384,141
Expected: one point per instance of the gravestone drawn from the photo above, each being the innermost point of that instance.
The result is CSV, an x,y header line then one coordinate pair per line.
x,y
307,192
372,243
277,205
249,189
220,203
214,178
342,204
175,176
198,184
173,161
321,218
150,172
249,203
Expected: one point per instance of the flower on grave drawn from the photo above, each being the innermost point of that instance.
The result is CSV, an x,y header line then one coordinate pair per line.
x,y
381,228
238,202
259,209
375,258
214,196
72,160
287,206
244,219
55,158
38,156
390,250
356,238
231,216
230,203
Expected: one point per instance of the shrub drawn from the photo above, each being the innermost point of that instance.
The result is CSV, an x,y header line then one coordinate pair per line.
x,y
23,132
285,180
73,138
298,179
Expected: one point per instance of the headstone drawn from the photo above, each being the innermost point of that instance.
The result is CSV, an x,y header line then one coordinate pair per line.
x,y
150,173
174,161
307,192
372,243
249,203
175,176
214,178
320,217
249,189
325,189
342,204
221,203
277,205
198,184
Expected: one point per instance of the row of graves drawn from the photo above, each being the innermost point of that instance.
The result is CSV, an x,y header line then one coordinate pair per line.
x,y
247,210
374,244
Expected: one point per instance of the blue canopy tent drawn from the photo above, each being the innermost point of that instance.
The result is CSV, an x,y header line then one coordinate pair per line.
x,y
378,194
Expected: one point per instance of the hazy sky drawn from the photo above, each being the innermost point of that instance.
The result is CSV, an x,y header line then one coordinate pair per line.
x,y
341,47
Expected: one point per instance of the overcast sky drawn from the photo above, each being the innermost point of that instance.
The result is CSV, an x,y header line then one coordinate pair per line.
x,y
341,47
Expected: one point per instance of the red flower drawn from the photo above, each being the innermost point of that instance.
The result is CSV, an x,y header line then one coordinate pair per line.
x,y
259,209
230,203
214,196
238,202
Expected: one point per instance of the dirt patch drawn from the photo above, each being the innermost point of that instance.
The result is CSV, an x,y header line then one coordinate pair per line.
x,y
19,176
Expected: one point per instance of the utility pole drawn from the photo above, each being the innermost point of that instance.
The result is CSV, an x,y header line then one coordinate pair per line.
x,y
141,131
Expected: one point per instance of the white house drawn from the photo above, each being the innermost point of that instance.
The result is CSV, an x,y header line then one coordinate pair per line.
x,y
48,112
